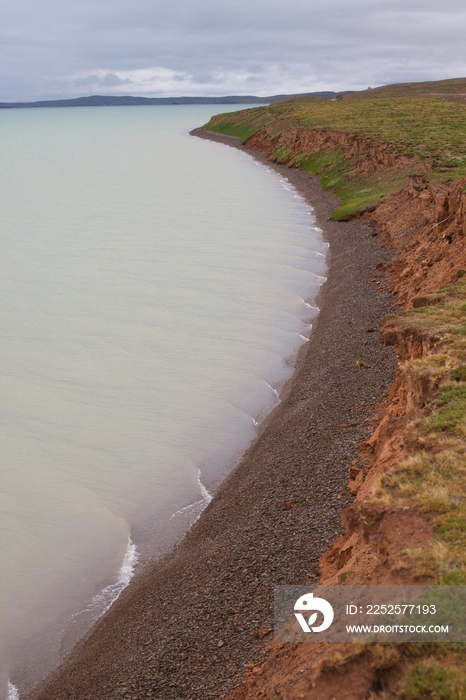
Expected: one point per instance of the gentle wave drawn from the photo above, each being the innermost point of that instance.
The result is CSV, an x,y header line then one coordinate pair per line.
x,y
310,306
101,602
197,507
277,395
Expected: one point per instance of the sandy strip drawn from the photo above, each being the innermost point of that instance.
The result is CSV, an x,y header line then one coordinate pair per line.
x,y
186,626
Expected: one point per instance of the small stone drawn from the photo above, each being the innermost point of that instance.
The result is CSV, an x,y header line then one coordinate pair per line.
x,y
220,643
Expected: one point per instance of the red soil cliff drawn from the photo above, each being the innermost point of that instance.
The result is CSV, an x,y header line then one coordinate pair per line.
x,y
425,225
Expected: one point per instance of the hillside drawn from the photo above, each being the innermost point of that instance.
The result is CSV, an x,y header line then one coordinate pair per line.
x,y
129,100
399,163
452,88
362,150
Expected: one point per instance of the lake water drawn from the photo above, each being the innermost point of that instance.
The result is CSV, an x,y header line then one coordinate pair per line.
x,y
155,288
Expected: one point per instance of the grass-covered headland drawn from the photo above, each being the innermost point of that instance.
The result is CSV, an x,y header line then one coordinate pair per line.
x,y
429,134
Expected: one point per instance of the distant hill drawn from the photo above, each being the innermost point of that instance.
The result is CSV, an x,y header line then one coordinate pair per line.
x,y
453,88
110,101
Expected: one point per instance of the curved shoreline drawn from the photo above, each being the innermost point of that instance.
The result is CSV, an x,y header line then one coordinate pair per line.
x,y
185,626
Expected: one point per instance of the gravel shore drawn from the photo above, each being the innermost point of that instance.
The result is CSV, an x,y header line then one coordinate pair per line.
x,y
187,625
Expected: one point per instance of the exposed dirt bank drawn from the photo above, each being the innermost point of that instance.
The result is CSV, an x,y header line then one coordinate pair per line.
x,y
188,625
425,224
368,155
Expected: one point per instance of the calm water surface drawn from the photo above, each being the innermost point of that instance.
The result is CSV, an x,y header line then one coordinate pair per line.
x,y
154,288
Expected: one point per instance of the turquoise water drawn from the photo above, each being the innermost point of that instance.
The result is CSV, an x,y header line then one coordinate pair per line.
x,y
155,288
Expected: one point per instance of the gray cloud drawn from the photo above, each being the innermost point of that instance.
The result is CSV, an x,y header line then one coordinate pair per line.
x,y
53,48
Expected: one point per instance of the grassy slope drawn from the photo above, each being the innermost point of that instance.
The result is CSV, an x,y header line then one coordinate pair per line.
x,y
432,480
424,127
431,131
453,86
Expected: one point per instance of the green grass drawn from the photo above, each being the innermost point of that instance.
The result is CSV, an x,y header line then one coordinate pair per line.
x,y
357,193
281,155
317,162
429,680
451,409
459,374
242,124
334,171
342,577
452,530
452,86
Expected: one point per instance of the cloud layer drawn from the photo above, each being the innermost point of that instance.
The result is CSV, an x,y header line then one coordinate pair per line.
x,y
52,48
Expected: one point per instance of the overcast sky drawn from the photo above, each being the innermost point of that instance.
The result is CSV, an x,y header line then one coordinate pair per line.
x,y
67,48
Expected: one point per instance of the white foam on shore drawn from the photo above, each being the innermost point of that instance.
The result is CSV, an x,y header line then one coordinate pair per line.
x,y
101,602
277,395
310,306
197,507
206,496
13,692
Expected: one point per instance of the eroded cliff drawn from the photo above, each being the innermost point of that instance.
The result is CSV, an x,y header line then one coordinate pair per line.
x,y
410,480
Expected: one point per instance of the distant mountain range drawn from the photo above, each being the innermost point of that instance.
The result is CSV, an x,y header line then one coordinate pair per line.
x,y
110,101
452,89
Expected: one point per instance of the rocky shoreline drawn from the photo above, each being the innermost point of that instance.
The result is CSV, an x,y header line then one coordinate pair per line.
x,y
188,624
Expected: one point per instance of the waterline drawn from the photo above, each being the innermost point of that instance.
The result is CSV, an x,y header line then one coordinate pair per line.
x,y
103,601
